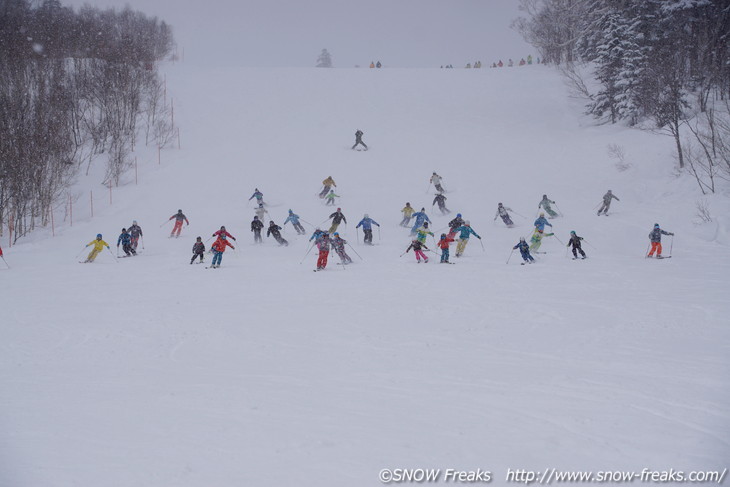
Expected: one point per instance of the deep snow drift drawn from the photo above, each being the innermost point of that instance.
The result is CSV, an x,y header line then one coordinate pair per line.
x,y
149,371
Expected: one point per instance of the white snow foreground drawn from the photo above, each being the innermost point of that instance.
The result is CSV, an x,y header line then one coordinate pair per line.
x,y
150,371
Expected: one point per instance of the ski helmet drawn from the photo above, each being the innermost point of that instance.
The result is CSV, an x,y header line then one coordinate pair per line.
x,y
261,205
542,214
336,234
544,196
339,209
255,218
656,225
124,230
609,190
272,222
179,211
425,224
466,223
458,215
199,239
290,211
408,204
423,209
522,239
223,227
500,204
98,236
572,232
134,222
443,236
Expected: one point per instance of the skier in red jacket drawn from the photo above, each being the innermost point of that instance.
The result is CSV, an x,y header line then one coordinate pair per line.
x,y
219,246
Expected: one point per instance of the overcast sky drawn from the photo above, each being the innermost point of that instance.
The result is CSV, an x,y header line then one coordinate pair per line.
x,y
399,33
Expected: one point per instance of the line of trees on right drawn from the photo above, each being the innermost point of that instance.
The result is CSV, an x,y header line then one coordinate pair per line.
x,y
662,61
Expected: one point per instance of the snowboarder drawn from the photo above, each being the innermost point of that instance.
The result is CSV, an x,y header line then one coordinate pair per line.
x,y
358,139
179,219
407,214
294,219
198,250
524,251
536,239
367,228
336,218
443,244
261,212
323,245
441,200
258,195
135,231
454,224
256,226
339,245
436,181
545,204
575,242
126,240
607,202
656,241
331,198
421,217
218,247
502,212
274,230
223,232
328,183
99,245
541,222
423,232
417,249
464,231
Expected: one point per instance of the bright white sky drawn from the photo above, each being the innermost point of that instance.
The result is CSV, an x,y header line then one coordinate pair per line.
x,y
399,33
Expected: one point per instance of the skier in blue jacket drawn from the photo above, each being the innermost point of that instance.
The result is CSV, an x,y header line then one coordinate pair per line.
x,y
294,219
541,222
125,238
420,218
524,251
367,228
317,232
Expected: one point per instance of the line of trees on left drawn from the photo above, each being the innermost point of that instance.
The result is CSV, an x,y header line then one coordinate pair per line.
x,y
73,86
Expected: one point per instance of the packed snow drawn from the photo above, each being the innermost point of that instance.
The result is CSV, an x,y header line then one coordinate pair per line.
x,y
150,371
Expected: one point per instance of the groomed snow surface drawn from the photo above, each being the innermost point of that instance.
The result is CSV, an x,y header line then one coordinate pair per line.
x,y
150,371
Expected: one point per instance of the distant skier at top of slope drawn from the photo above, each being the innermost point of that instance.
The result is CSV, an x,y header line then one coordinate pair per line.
x,y
358,139
607,198
655,236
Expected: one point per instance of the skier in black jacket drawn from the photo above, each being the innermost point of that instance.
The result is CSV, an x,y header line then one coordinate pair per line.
x,y
274,230
358,140
575,242
337,217
256,227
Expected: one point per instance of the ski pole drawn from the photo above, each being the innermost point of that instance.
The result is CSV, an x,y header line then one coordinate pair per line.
x,y
586,241
82,251
404,253
305,221
357,235
355,252
142,237
110,253
6,262
168,221
513,211
671,245
510,256
646,252
429,187
378,233
480,241
308,251
556,238
117,251
559,212
594,208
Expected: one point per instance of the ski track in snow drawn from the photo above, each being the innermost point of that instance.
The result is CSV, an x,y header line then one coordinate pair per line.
x,y
150,371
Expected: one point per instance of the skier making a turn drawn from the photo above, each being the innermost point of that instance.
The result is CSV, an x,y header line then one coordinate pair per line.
x,y
524,251
417,249
294,219
607,198
502,213
358,139
436,181
407,214
274,230
218,247
328,183
545,205
465,230
256,226
99,245
126,240
198,249
179,219
575,242
367,228
656,241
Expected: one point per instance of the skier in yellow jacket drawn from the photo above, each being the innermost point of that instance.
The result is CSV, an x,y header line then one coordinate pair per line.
x,y
99,245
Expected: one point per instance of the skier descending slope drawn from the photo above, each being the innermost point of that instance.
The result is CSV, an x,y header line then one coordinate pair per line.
x,y
656,241
256,226
441,200
125,238
99,245
327,183
274,230
336,217
358,139
502,212
136,232
436,181
339,245
323,245
261,212
541,222
464,231
536,240
443,244
331,198
607,198
454,224
524,251
367,228
179,219
223,232
545,204
421,217
408,212
294,219
218,247
423,232
417,249
317,232
575,242
259,197
198,250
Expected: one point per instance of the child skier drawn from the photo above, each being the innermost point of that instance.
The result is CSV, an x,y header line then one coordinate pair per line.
x,y
575,242
259,197
198,249
423,232
331,198
656,241
524,251
256,227
545,204
417,249
536,239
337,217
135,231
607,202
407,214
465,230
541,222
328,183
274,230
126,240
358,139
223,232
179,219
339,245
367,228
323,245
421,217
502,212
436,181
454,224
294,219
99,245
218,247
443,244
441,200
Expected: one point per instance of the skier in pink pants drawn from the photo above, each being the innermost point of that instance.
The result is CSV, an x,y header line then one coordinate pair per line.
x,y
417,246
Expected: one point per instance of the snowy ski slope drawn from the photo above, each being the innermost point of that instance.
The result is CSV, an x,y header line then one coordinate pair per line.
x,y
153,372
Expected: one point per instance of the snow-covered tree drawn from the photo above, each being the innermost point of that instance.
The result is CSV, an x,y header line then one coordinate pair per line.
x,y
324,60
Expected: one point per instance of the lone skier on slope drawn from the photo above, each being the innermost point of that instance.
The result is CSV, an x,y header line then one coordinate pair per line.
x,y
656,241
607,202
358,140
